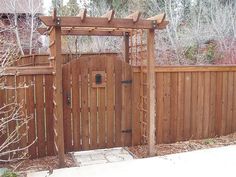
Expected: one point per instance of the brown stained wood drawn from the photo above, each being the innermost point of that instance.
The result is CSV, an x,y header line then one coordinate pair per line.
x,y
158,18
173,106
206,113
30,111
49,114
151,85
224,104
118,102
66,72
20,94
216,68
126,47
159,107
58,109
194,110
93,107
34,70
219,88
234,105
84,104
136,133
212,116
167,104
180,120
229,115
75,74
98,22
126,69
134,16
82,14
40,116
187,105
110,101
101,108
200,106
109,15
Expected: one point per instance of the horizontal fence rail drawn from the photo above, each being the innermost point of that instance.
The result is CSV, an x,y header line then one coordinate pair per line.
x,y
192,102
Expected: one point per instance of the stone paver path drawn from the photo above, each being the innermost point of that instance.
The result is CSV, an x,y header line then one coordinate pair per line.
x,y
101,156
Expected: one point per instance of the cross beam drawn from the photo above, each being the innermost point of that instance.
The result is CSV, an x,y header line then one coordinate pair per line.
x,y
133,21
80,32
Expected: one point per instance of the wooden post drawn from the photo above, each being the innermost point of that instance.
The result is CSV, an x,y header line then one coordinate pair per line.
x,y
151,91
126,47
58,97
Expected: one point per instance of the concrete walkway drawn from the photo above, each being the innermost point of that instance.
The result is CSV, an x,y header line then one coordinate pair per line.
x,y
210,162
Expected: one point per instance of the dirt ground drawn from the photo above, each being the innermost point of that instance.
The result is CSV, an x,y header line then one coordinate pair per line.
x,y
50,163
165,149
46,163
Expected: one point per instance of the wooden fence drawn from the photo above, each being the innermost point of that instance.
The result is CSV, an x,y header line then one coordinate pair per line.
x,y
192,103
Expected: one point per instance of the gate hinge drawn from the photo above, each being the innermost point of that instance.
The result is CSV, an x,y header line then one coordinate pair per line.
x,y
126,82
127,131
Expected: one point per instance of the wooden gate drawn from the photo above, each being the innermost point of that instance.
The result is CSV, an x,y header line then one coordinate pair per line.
x,y
97,103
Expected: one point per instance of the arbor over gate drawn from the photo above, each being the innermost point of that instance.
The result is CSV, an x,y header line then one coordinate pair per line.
x,y
106,25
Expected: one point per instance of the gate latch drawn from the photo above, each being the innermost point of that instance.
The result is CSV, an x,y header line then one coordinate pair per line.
x,y
126,82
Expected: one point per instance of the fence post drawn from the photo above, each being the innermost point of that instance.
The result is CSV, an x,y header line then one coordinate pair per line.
x,y
56,62
151,91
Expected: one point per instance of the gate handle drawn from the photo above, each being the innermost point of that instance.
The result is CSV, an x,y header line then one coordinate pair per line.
x,y
68,99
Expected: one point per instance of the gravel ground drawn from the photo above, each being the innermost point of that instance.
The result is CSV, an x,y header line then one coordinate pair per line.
x,y
50,163
164,149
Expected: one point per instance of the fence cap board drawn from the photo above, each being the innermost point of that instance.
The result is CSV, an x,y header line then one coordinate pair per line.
x,y
206,68
33,70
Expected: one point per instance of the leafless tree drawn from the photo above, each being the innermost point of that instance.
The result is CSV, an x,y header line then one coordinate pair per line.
x,y
11,148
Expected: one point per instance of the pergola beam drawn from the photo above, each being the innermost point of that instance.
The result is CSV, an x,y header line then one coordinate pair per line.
x,y
158,18
109,15
82,14
134,16
81,32
99,22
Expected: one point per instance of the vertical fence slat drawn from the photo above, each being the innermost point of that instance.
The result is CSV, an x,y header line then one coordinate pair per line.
x,y
67,108
101,109
212,118
136,133
84,108
93,108
40,115
187,105
159,107
30,111
200,105
127,105
76,104
224,103
118,102
230,92
206,113
234,105
166,118
110,101
173,106
219,88
180,120
49,113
